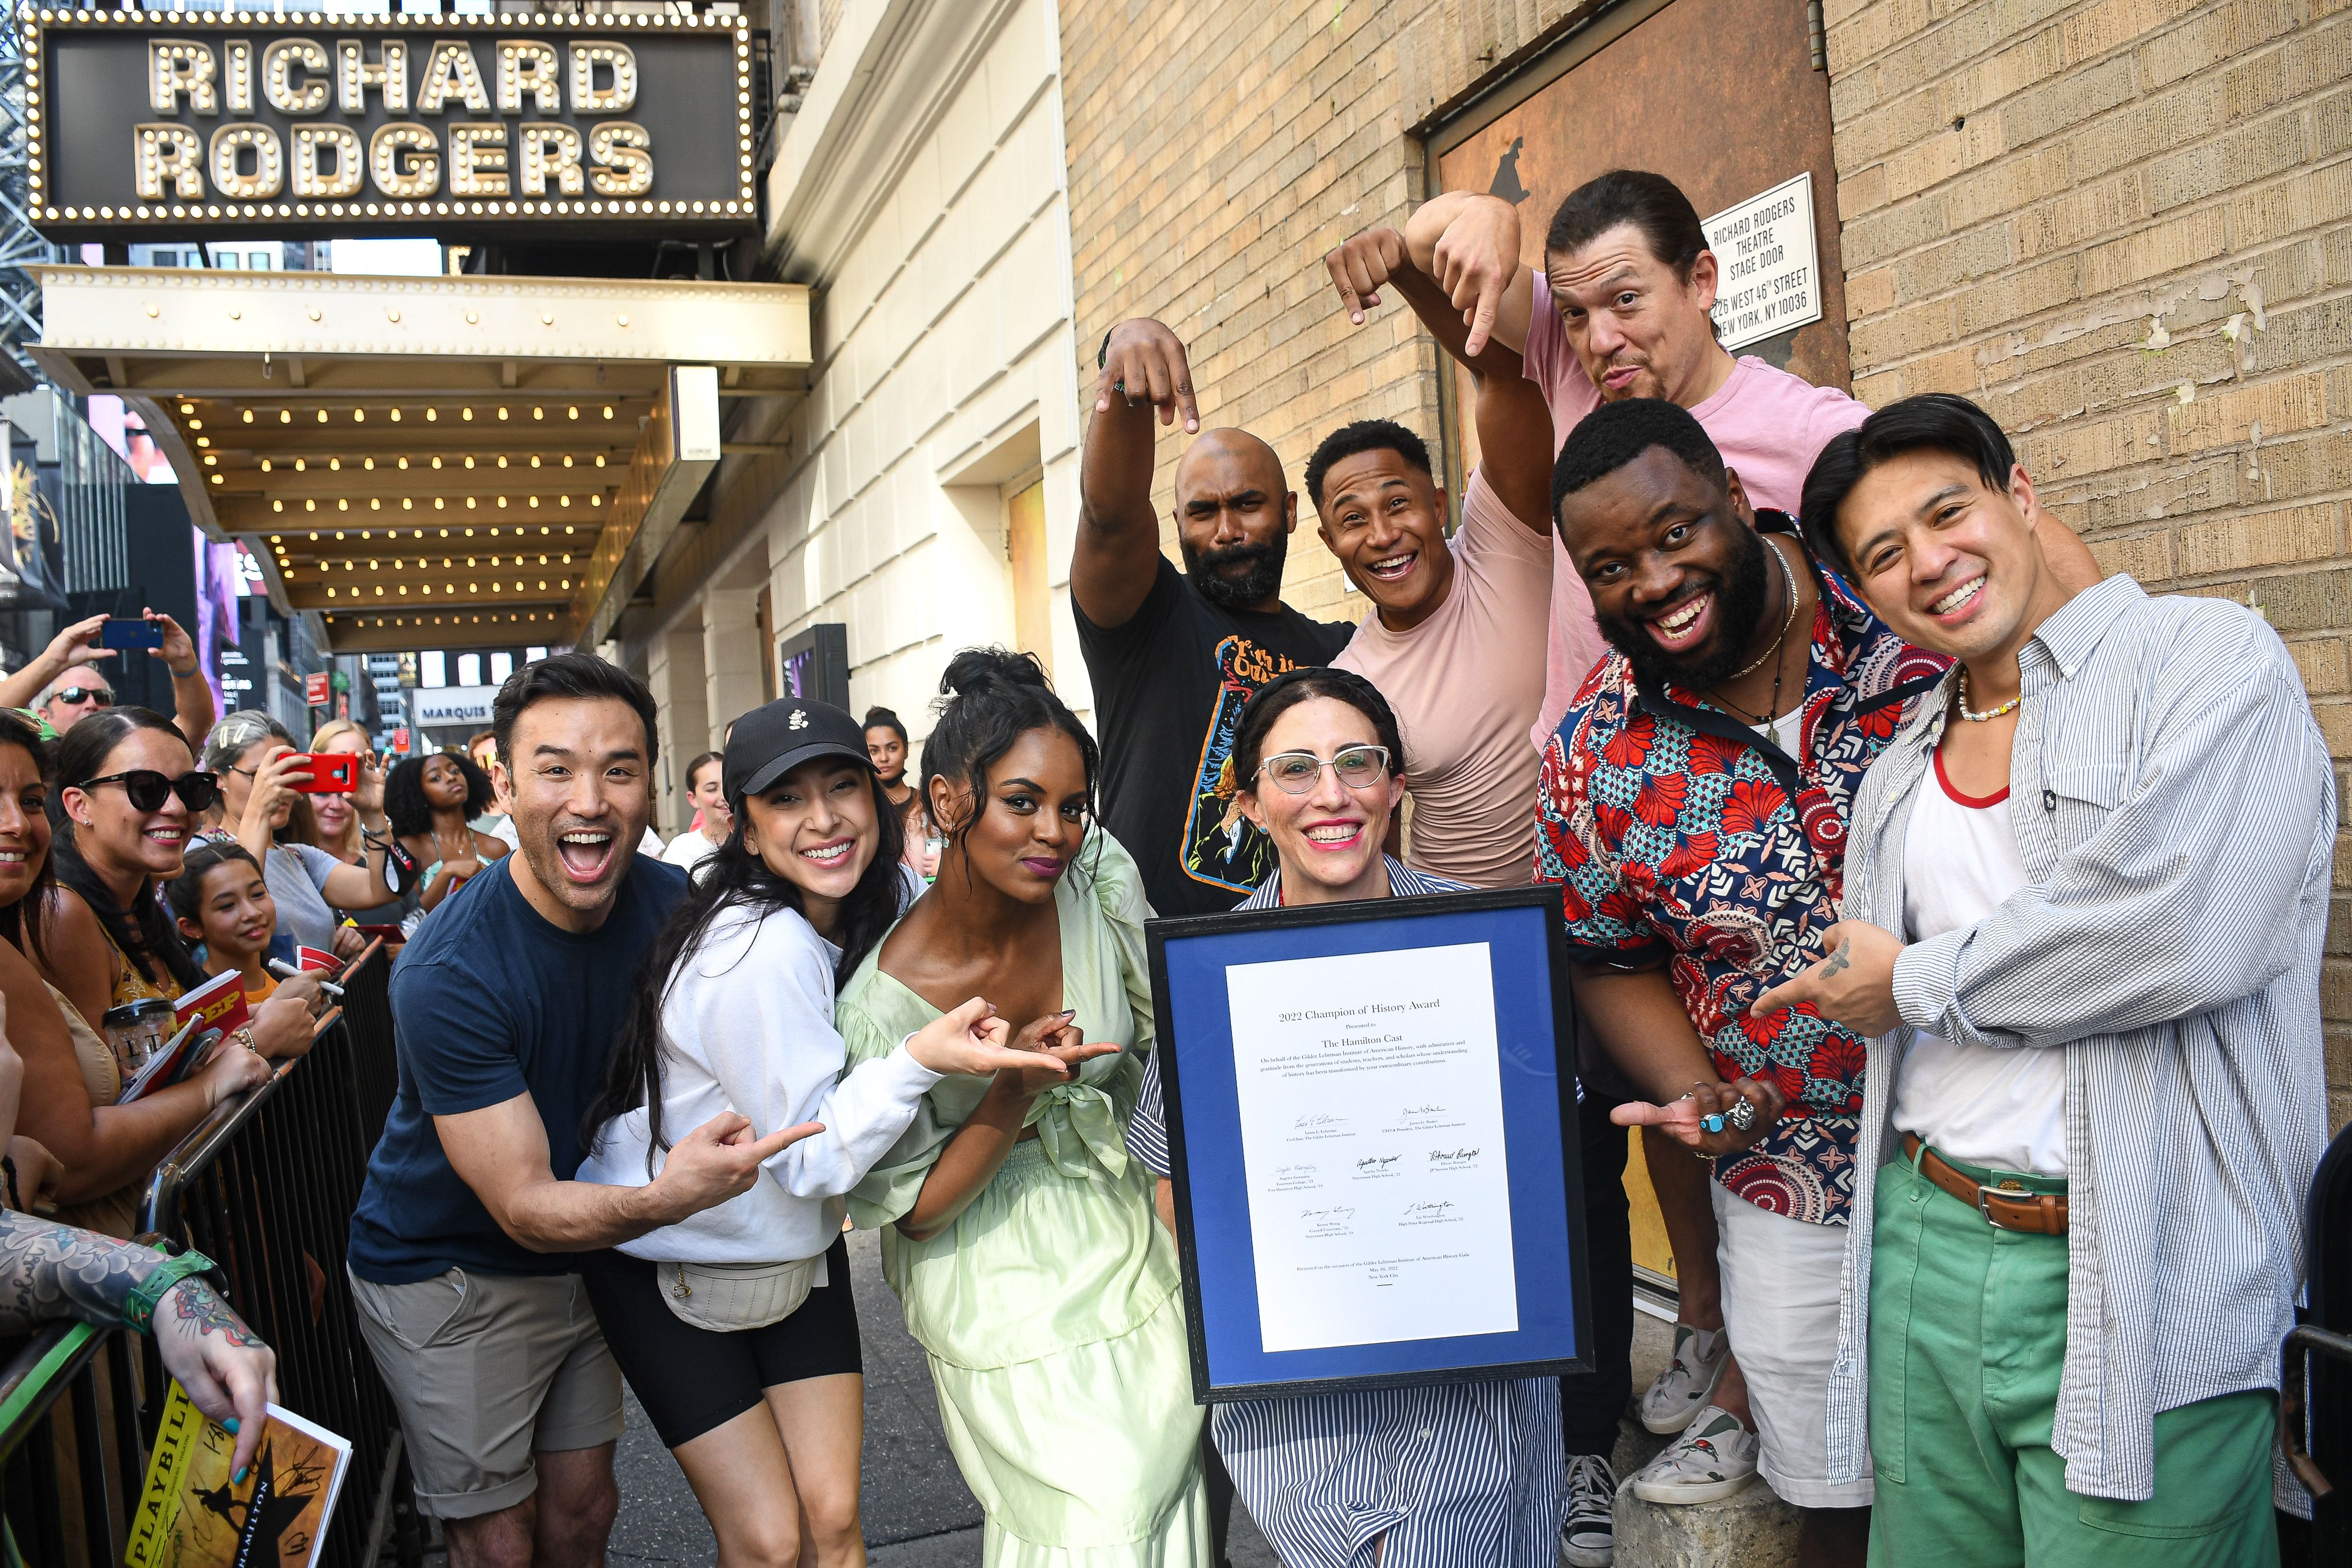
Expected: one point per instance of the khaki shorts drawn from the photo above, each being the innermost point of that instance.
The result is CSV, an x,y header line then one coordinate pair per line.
x,y
487,1369
1780,1278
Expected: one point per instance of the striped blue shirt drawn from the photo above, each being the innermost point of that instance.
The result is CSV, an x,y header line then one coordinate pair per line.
x,y
2176,812
1464,1476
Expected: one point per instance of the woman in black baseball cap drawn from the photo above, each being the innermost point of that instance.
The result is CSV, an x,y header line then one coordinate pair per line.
x,y
736,1327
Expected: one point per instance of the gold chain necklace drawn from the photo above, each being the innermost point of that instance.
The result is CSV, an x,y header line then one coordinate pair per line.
x,y
1989,713
1788,620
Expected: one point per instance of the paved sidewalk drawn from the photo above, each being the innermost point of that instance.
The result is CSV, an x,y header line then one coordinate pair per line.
x,y
918,1513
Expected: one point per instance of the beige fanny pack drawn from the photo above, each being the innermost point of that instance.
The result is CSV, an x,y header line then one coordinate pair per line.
x,y
727,1298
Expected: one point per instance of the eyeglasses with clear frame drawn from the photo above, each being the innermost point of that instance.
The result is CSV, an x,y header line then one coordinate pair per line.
x,y
1358,767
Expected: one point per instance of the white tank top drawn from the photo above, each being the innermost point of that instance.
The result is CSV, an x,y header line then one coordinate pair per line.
x,y
2004,1109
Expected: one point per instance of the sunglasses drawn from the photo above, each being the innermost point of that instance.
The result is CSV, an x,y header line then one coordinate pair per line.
x,y
72,696
146,789
1295,773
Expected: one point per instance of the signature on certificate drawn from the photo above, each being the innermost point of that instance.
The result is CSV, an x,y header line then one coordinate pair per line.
x,y
1327,1215
1429,1209
1423,1110
1376,1161
1449,1158
1319,1119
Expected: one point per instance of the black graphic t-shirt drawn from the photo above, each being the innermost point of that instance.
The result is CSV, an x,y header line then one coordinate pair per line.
x,y
1168,688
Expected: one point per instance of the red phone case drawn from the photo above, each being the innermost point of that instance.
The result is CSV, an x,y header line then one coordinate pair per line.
x,y
331,772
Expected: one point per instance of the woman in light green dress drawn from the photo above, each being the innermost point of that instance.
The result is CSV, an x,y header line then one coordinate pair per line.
x,y
1017,1231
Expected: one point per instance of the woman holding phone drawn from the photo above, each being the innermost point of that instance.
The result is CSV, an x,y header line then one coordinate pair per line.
x,y
1462,1473
736,1328
341,835
1017,1232
258,768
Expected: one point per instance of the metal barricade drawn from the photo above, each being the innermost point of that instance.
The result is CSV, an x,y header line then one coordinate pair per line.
x,y
61,1364
266,1187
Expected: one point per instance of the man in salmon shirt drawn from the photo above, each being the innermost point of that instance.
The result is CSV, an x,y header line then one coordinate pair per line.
x,y
1622,309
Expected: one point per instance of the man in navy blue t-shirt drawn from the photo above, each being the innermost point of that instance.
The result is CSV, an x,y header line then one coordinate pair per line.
x,y
461,1252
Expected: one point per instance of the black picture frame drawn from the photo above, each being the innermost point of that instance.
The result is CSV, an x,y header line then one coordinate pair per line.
x,y
1545,1051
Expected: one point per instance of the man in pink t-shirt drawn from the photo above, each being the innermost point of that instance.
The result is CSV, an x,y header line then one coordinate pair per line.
x,y
1623,310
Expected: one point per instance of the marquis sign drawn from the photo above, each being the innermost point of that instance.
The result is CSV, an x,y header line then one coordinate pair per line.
x,y
308,122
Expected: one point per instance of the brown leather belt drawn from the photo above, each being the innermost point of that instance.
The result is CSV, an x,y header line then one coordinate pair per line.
x,y
2035,1213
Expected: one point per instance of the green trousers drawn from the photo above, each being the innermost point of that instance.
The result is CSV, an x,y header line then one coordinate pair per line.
x,y
1968,1330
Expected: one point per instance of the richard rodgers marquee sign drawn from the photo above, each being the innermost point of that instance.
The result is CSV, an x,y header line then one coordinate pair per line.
x,y
306,123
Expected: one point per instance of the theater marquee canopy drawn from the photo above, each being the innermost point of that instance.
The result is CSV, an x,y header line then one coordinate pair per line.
x,y
457,461
302,123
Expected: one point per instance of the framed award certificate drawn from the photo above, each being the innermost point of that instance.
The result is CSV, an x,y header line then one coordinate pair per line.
x,y
1372,1139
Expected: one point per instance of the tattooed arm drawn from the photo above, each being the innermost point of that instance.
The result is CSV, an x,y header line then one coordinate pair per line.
x,y
50,1272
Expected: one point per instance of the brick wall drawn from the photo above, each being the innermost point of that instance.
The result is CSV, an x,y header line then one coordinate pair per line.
x,y
2121,227
1217,149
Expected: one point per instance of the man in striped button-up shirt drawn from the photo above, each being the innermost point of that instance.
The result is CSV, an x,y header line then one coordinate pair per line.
x,y
2086,893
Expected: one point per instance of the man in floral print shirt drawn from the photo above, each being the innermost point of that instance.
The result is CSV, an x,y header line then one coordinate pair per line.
x,y
1694,805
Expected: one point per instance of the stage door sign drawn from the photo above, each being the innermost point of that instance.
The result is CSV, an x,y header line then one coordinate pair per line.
x,y
1769,282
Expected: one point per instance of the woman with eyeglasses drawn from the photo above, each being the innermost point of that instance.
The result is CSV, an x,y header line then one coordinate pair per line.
x,y
431,800
339,835
1017,1232
1463,1473
85,930
254,759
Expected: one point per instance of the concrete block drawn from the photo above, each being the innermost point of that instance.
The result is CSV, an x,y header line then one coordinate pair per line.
x,y
2147,559
2167,247
1752,1530
2326,670
2220,34
2225,418
2264,539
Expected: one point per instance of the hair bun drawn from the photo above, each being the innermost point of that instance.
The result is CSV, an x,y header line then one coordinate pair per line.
x,y
977,668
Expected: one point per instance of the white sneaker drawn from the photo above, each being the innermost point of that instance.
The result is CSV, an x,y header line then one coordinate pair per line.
x,y
1715,1458
1589,1538
1682,1391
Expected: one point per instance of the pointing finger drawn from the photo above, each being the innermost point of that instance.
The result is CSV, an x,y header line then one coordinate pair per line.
x,y
1338,265
1482,321
783,1138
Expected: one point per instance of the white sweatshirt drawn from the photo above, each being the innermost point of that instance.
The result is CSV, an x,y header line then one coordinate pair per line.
x,y
748,1027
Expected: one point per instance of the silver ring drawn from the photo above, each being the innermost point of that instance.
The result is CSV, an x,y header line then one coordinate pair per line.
x,y
1742,1115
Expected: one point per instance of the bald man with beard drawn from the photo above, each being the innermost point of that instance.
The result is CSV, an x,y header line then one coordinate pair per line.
x,y
1174,654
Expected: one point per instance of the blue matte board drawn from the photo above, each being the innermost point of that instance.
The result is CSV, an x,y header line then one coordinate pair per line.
x,y
1534,1034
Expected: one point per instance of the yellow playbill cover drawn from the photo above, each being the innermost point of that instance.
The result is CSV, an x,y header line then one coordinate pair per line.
x,y
192,1514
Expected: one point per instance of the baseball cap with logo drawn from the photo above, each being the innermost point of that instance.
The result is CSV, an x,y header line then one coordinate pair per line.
x,y
771,741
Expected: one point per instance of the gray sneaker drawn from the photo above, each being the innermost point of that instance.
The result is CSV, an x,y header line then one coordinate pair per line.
x,y
1715,1458
1682,1391
1588,1539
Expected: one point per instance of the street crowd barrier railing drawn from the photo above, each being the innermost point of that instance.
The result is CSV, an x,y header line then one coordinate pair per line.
x,y
264,1186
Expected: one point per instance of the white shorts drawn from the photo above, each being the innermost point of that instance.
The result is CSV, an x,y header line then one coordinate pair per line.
x,y
1780,1306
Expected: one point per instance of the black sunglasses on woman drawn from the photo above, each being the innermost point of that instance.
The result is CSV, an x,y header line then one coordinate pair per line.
x,y
146,789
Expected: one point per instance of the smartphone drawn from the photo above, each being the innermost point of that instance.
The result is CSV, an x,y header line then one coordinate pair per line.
x,y
384,933
131,634
331,773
